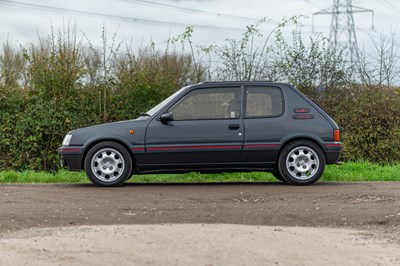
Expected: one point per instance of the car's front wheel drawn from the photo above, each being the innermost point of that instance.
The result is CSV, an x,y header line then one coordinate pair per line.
x,y
108,164
302,162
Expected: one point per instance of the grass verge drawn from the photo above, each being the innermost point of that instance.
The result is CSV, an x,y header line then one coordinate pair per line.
x,y
352,171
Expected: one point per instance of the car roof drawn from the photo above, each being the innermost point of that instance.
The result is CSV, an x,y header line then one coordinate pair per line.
x,y
239,83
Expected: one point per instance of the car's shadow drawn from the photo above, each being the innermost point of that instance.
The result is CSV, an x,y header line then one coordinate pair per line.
x,y
194,184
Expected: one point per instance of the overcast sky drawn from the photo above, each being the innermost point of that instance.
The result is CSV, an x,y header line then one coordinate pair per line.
x,y
142,21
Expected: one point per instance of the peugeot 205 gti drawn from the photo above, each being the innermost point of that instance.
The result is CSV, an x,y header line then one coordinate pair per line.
x,y
217,127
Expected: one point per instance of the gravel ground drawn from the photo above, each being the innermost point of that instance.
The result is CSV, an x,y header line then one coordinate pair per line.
x,y
196,244
201,224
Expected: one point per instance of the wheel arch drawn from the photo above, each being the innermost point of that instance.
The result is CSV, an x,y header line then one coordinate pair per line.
x,y
92,143
289,140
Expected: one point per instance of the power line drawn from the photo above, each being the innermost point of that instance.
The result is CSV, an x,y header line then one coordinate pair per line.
x,y
113,17
191,10
123,18
389,5
311,3
392,5
384,4
395,6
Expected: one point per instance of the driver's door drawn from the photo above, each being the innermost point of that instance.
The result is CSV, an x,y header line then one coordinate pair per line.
x,y
207,129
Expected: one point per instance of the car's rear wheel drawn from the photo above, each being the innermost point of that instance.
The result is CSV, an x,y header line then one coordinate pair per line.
x,y
302,162
108,164
278,175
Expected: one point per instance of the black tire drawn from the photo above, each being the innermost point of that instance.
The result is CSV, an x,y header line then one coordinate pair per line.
x,y
108,164
278,175
301,162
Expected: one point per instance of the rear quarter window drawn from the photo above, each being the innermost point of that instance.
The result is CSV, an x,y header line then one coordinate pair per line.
x,y
263,102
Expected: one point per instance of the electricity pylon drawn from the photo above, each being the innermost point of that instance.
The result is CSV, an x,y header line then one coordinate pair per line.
x,y
343,32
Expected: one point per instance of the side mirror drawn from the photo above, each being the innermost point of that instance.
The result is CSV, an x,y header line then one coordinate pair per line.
x,y
167,118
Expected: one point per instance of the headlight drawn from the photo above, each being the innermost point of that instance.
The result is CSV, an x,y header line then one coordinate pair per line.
x,y
67,140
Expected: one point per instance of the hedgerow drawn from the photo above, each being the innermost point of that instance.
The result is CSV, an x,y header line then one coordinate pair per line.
x,y
60,83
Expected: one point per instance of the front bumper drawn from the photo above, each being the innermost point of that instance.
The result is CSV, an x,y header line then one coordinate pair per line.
x,y
71,158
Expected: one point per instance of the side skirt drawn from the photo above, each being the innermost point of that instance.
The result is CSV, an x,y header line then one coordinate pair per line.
x,y
205,168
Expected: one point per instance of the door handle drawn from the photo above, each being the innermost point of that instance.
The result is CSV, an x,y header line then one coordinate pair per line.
x,y
234,126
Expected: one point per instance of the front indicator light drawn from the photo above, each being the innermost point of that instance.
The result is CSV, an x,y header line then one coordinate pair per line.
x,y
67,140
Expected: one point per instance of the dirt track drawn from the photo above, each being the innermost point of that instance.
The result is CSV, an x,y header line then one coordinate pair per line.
x,y
247,224
357,205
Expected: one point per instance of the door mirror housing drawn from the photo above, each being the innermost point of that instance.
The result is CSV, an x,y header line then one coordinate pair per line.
x,y
167,118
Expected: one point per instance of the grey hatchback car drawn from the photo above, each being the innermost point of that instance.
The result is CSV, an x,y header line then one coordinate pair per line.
x,y
212,127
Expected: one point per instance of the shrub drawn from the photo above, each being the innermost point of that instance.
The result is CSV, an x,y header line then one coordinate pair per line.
x,y
370,121
66,87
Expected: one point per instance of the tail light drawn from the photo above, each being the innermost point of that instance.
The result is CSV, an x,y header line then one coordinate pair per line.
x,y
336,135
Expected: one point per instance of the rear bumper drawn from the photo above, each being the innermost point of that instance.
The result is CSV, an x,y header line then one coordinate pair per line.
x,y
332,157
71,158
332,152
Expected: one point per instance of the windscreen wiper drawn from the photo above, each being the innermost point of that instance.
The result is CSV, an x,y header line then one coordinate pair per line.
x,y
144,114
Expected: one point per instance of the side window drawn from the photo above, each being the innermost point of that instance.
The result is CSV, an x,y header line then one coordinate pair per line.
x,y
264,102
218,103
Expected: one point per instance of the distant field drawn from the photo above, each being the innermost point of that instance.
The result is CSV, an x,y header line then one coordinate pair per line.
x,y
359,171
